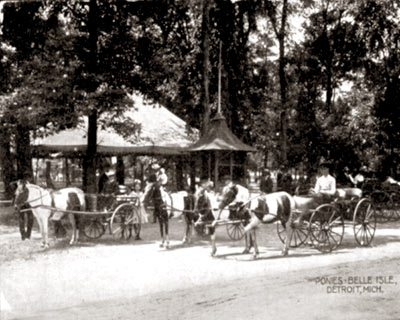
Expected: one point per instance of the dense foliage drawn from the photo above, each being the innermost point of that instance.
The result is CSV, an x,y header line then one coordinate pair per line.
x,y
283,85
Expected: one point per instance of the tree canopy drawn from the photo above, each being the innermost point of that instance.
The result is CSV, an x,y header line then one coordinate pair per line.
x,y
333,92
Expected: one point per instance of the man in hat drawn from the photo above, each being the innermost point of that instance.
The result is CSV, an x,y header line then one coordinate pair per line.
x,y
325,186
266,183
110,189
25,217
103,178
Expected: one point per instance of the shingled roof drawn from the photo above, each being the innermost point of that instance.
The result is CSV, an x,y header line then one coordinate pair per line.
x,y
220,137
161,132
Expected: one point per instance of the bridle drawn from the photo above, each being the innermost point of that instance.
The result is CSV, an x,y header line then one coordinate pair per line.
x,y
227,199
42,195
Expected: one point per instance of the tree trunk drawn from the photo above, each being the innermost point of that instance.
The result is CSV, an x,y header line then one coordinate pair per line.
x,y
7,173
329,89
89,163
206,57
89,167
23,152
120,172
283,84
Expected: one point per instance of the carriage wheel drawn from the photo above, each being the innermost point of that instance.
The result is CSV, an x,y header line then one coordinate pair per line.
x,y
299,235
235,231
94,228
383,205
326,228
123,220
395,197
364,222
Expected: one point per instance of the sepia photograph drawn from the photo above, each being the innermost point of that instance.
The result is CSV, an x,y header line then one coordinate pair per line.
x,y
199,159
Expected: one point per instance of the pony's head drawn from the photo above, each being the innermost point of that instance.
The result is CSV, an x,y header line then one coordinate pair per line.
x,y
21,194
229,194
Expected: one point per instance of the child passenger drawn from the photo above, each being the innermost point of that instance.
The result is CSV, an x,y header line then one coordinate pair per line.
x,y
137,192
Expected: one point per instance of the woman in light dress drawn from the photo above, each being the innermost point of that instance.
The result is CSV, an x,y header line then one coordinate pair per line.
x,y
137,192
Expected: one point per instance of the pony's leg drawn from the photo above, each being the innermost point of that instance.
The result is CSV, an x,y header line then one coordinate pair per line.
x,y
45,223
74,231
161,224
40,223
254,222
188,229
289,234
185,237
166,231
247,241
253,235
213,241
30,225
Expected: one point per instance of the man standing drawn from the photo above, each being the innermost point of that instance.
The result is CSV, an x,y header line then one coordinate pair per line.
x,y
266,183
25,216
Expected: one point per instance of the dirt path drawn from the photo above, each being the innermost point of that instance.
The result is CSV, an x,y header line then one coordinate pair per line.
x,y
104,280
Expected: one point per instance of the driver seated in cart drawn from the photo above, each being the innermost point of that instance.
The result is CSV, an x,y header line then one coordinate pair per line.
x,y
325,186
109,192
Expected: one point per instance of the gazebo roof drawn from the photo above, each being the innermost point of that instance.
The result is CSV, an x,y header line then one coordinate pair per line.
x,y
161,132
220,137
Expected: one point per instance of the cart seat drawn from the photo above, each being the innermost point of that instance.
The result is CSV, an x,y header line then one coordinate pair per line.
x,y
348,193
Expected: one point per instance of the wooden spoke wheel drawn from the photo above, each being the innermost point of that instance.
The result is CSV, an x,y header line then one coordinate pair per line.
x,y
364,222
395,197
326,228
383,205
235,231
94,228
299,233
125,220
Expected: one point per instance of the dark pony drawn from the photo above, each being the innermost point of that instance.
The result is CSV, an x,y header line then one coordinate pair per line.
x,y
158,197
203,207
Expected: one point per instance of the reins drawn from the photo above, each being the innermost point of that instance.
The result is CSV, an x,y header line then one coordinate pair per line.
x,y
41,197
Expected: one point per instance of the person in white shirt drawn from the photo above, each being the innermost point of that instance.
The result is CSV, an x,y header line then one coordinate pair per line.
x,y
325,186
162,177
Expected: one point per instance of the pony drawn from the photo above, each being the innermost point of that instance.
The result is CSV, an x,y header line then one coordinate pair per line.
x,y
268,208
43,203
167,206
209,211
235,196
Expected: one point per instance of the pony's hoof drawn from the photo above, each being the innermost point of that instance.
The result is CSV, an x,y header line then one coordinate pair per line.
x,y
167,246
213,252
255,255
161,245
246,251
285,252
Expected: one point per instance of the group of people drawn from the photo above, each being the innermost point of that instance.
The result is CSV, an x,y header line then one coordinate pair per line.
x,y
108,187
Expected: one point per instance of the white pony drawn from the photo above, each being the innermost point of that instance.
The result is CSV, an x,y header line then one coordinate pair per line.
x,y
44,202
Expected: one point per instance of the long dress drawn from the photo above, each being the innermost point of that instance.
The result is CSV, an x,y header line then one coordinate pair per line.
x,y
144,217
